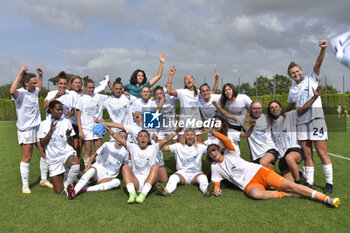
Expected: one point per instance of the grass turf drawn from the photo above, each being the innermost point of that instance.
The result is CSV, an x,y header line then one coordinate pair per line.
x,y
185,211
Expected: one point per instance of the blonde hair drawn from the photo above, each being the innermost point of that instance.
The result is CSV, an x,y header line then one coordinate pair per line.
x,y
249,115
195,137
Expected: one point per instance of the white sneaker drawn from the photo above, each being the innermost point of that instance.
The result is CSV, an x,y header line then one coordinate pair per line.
x,y
26,190
46,183
333,202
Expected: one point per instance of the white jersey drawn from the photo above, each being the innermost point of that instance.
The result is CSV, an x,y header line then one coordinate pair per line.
x,y
301,93
142,160
260,140
27,109
111,158
189,107
238,107
118,109
188,158
67,100
58,147
75,96
284,132
89,107
133,130
234,137
234,169
207,108
168,113
140,106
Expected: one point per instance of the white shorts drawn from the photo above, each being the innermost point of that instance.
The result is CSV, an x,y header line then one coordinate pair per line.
x,y
189,176
102,173
141,178
316,130
89,135
162,134
60,167
29,136
160,159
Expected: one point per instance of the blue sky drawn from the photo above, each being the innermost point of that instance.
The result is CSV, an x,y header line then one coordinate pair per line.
x,y
242,39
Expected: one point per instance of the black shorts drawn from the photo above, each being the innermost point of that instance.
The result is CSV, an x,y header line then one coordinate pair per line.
x,y
283,164
236,127
76,130
274,152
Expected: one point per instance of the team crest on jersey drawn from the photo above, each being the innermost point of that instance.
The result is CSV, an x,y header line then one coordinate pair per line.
x,y
152,120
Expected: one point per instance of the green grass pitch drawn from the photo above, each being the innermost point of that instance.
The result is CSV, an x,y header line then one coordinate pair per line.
x,y
185,211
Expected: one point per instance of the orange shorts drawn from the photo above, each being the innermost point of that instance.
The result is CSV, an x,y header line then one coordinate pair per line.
x,y
265,177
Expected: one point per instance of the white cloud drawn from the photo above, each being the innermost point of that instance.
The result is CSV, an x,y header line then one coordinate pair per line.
x,y
272,22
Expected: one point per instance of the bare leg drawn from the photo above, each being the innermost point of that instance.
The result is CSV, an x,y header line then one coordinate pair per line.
x,y
267,160
292,160
162,174
57,182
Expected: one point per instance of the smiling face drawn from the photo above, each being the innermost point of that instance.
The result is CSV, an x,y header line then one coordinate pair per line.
x,y
159,94
76,85
205,92
228,92
217,124
140,77
90,87
190,137
143,139
256,109
296,74
145,93
189,81
214,153
56,111
62,84
275,109
118,89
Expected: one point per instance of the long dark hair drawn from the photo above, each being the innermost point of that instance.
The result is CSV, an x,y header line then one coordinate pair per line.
x,y
26,78
270,115
224,97
224,128
133,78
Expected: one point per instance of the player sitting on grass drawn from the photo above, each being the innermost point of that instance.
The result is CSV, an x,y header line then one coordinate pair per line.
x,y
144,170
56,137
254,178
111,156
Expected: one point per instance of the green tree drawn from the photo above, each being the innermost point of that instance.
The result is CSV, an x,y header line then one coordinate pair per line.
x,y
330,89
264,85
54,79
5,91
282,83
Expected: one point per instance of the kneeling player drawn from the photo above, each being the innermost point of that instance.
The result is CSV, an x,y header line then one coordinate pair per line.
x,y
254,178
111,156
55,135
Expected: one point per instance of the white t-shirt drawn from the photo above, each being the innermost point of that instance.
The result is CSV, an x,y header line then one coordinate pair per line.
x,y
142,160
58,147
140,106
27,108
284,132
234,137
67,100
188,158
90,108
133,130
75,96
189,107
238,107
260,140
168,113
207,108
118,109
234,169
111,158
301,93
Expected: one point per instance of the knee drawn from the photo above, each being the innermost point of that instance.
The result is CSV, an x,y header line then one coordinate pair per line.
x,y
255,194
115,183
58,190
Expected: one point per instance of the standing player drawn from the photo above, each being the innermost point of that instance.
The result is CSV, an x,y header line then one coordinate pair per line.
x,y
88,107
28,114
138,79
253,178
111,156
144,103
55,135
312,127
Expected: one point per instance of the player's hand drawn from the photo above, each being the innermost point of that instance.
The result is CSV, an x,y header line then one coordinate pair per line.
x,y
53,126
215,103
40,71
88,166
323,43
68,132
172,71
162,58
154,137
59,94
81,135
217,192
127,94
318,90
216,75
23,69
252,123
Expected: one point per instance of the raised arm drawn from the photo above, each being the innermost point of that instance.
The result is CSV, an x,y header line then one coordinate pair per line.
x,y
168,138
308,104
160,70
116,136
216,84
223,111
14,85
40,80
289,107
171,91
110,124
250,130
58,95
224,140
323,44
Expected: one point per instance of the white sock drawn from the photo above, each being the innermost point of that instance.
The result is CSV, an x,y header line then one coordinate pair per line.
x,y
146,188
172,183
328,173
105,186
84,180
309,174
24,170
131,188
72,174
203,182
44,168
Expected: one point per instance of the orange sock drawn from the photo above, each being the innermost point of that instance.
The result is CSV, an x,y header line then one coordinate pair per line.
x,y
278,194
319,196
